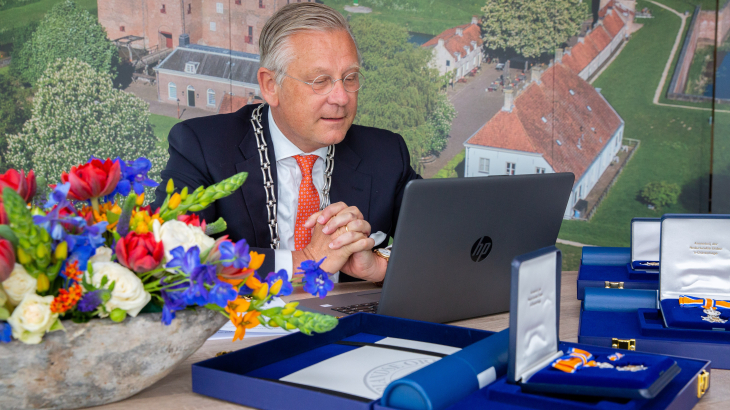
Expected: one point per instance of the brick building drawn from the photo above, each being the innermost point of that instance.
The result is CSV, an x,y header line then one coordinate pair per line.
x,y
457,49
557,123
206,77
234,24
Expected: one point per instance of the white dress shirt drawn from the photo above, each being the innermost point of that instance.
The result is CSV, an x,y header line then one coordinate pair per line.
x,y
289,176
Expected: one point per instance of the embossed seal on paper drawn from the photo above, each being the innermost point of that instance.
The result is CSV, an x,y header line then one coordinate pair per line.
x,y
380,377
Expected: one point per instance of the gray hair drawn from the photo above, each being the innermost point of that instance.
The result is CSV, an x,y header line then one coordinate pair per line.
x,y
276,54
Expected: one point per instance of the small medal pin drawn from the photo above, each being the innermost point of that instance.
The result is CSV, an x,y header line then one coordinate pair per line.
x,y
713,316
649,264
632,368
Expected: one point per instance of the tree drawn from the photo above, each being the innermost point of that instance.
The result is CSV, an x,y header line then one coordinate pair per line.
x,y
660,194
77,113
401,91
67,32
531,27
14,111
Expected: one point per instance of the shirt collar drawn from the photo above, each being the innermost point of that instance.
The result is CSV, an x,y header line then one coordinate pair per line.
x,y
283,148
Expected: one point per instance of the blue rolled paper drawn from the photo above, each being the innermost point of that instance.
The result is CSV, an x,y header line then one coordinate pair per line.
x,y
604,256
619,300
452,378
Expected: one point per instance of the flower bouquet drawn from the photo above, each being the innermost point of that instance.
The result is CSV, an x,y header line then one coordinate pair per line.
x,y
88,274
93,250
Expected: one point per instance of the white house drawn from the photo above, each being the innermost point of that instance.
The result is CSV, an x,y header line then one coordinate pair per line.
x,y
557,123
594,49
457,49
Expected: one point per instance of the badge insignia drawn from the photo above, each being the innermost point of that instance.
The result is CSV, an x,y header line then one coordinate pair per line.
x,y
632,368
713,316
649,264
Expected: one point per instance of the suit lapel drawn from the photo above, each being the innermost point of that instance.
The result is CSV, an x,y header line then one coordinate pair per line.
x,y
349,185
254,194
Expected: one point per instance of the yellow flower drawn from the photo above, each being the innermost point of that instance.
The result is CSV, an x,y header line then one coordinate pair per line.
x,y
261,292
42,283
174,201
257,259
276,287
289,308
170,186
61,252
140,199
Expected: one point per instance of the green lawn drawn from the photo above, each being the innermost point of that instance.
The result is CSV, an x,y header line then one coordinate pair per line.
x,y
675,142
571,256
161,125
5,70
20,16
421,16
703,56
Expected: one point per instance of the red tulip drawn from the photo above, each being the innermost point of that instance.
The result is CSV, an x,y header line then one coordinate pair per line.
x,y
7,259
140,253
93,179
193,220
23,184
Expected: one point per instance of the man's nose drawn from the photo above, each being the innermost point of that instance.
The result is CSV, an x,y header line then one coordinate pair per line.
x,y
338,95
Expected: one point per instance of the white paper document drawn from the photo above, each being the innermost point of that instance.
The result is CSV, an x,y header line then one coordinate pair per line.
x,y
367,370
228,330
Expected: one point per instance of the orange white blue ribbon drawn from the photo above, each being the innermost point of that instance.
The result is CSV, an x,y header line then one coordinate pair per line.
x,y
705,303
615,356
573,360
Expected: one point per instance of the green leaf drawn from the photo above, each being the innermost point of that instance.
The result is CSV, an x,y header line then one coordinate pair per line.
x,y
57,325
8,234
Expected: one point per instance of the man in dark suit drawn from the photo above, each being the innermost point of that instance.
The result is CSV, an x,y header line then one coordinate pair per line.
x,y
310,77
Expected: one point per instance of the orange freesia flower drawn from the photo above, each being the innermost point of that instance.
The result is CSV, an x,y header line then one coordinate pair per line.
x,y
257,259
238,306
93,216
250,320
253,282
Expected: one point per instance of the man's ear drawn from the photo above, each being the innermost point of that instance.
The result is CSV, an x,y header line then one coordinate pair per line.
x,y
268,86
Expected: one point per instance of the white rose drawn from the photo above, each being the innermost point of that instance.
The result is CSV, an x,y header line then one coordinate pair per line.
x,y
128,293
103,254
19,284
33,318
175,233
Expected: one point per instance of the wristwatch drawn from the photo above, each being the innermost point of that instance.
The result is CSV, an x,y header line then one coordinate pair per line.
x,y
385,254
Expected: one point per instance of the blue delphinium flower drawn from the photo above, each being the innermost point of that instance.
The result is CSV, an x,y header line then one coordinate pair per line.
x,y
187,261
90,301
5,332
316,281
236,255
204,274
195,294
135,172
222,293
286,286
173,301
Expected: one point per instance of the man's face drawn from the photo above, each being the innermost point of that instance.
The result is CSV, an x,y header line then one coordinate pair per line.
x,y
310,120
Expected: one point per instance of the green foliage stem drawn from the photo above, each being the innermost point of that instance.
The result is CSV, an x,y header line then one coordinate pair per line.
x,y
34,242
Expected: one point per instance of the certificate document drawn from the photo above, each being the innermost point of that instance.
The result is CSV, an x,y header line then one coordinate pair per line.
x,y
367,371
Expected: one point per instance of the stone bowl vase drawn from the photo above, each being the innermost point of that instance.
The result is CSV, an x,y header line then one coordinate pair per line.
x,y
100,361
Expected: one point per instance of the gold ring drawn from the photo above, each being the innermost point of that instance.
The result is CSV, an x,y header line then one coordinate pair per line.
x,y
347,229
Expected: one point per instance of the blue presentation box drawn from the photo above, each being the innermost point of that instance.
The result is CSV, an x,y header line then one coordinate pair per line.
x,y
251,376
610,268
643,330
683,392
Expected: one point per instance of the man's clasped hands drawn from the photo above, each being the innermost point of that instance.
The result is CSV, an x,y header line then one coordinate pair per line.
x,y
342,235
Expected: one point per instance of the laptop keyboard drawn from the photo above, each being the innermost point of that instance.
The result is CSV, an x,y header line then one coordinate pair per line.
x,y
371,307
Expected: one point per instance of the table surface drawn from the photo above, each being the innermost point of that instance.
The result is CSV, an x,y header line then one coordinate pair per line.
x,y
174,391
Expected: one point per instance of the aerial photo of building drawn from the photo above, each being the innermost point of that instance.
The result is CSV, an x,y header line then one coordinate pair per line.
x,y
458,49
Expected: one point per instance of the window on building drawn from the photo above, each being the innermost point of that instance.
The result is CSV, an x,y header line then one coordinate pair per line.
x,y
191,67
249,37
484,165
238,2
511,168
121,28
190,8
171,91
219,8
448,63
212,26
211,97
261,4
539,170
163,10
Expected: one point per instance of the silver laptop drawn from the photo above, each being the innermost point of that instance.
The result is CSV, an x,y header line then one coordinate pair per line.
x,y
455,241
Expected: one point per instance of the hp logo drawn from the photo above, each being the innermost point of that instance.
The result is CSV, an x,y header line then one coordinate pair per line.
x,y
481,249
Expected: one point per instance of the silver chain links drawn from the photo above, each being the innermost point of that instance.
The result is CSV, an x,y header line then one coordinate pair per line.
x,y
269,185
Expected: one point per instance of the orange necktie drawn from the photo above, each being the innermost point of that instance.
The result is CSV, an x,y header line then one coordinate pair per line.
x,y
308,201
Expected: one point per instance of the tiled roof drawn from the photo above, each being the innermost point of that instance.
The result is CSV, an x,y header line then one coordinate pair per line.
x,y
598,39
454,42
233,103
582,132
